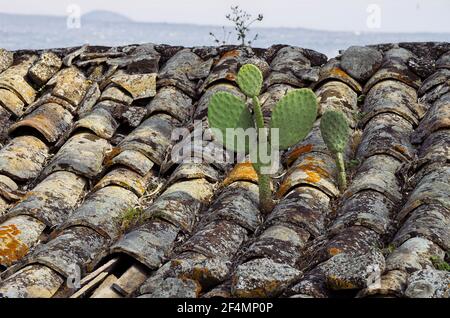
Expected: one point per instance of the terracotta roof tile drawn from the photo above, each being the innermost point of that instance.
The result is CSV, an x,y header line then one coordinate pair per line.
x,y
86,138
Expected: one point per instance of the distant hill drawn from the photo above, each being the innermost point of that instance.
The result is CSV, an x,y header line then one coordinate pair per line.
x,y
105,16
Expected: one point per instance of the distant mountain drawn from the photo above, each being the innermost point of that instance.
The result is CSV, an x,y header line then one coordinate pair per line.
x,y
105,16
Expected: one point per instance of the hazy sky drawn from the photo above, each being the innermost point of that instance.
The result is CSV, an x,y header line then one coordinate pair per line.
x,y
349,15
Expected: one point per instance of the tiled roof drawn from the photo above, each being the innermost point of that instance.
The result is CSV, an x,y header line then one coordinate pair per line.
x,y
86,136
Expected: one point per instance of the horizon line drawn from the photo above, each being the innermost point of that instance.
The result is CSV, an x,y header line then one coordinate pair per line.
x,y
131,20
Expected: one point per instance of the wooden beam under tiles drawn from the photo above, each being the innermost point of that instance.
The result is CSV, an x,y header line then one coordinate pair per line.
x,y
105,289
106,267
130,280
90,286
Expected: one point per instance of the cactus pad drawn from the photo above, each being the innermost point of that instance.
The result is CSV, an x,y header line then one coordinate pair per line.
x,y
335,130
294,116
250,80
228,111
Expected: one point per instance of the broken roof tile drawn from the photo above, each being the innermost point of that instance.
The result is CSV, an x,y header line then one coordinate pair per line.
x,y
138,85
70,85
45,67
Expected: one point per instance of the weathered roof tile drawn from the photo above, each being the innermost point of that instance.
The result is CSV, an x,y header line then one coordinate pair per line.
x,y
51,120
6,59
106,118
83,153
45,67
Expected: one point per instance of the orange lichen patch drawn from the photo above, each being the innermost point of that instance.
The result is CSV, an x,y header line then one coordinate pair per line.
x,y
334,251
232,53
284,187
311,168
9,229
241,172
312,177
297,152
312,159
11,248
230,77
338,72
401,149
111,154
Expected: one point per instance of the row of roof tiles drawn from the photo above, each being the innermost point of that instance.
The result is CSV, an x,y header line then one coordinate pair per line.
x,y
87,136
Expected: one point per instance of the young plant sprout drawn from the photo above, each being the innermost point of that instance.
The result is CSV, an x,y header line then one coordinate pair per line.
x,y
292,117
242,22
335,133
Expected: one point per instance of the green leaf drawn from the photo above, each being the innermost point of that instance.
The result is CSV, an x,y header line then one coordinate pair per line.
x,y
294,116
250,80
228,111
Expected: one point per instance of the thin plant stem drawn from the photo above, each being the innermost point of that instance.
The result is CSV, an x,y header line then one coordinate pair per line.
x,y
342,178
265,192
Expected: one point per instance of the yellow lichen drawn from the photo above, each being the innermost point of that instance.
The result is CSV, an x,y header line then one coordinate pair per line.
x,y
334,251
11,248
297,152
241,172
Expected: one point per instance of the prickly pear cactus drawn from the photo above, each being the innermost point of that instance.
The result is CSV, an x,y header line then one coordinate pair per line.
x,y
294,116
228,111
250,80
335,131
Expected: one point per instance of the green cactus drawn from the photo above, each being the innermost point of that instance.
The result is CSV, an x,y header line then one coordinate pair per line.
x,y
228,111
293,115
335,133
250,80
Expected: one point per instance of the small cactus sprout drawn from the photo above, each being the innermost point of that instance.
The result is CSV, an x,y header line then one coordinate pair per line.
x,y
250,80
335,133
293,116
